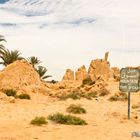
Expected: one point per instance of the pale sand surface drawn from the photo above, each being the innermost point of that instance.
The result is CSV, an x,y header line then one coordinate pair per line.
x,y
106,120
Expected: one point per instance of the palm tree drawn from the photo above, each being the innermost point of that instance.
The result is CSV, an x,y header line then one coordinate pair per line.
x,y
9,57
34,61
2,38
1,46
42,72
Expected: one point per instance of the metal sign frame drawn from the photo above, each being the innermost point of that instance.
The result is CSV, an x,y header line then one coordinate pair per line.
x,y
129,83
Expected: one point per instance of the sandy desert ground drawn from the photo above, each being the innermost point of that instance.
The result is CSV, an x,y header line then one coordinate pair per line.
x,y
106,120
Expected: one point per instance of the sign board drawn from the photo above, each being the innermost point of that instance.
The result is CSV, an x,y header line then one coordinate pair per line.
x,y
129,80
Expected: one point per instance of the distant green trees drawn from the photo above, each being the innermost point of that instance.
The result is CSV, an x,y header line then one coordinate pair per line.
x,y
9,56
2,39
41,70
1,45
34,61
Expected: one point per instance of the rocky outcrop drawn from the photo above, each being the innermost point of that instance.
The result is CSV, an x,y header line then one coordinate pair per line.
x,y
115,73
106,56
69,75
99,69
81,73
17,75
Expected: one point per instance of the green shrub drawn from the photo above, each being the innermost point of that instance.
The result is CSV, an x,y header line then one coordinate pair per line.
x,y
38,121
24,96
113,98
66,119
72,95
75,95
103,92
90,95
121,97
88,81
135,106
10,92
76,109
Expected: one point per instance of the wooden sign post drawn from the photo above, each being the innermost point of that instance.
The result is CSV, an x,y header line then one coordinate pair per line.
x,y
129,82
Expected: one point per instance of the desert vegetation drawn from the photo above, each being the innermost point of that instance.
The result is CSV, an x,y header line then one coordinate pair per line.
x,y
136,106
10,92
78,95
121,97
39,121
76,109
103,92
72,95
66,119
87,81
41,70
9,56
24,96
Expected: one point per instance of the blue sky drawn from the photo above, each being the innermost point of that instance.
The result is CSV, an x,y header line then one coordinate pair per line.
x,y
67,34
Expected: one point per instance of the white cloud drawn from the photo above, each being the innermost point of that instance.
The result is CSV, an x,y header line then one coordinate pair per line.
x,y
74,32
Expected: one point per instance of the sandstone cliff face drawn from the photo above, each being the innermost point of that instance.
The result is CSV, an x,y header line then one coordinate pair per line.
x,y
115,73
18,75
81,73
69,75
99,69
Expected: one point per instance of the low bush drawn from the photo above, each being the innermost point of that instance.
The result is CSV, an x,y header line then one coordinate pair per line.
x,y
38,121
72,95
24,96
76,109
113,98
121,97
10,92
76,96
103,92
88,81
135,106
90,95
66,119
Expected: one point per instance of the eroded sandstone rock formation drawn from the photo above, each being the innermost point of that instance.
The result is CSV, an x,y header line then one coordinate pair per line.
x,y
69,75
81,73
115,73
18,75
99,69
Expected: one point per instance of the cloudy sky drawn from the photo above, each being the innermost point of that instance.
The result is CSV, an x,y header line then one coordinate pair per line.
x,y
69,33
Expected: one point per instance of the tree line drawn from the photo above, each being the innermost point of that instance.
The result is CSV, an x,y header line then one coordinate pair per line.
x,y
9,56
